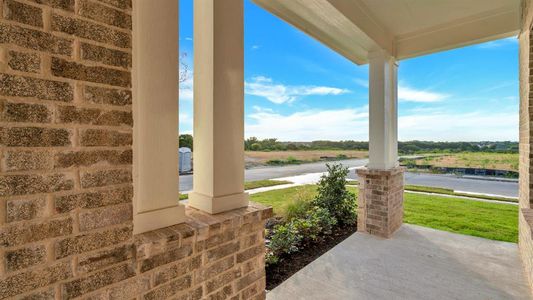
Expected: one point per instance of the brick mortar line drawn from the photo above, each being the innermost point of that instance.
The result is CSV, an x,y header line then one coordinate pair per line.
x,y
83,104
62,79
54,105
40,29
67,126
75,15
66,192
91,63
100,165
125,10
59,283
64,148
36,267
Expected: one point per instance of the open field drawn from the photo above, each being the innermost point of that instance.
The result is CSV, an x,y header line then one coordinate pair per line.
x,y
499,161
486,220
263,157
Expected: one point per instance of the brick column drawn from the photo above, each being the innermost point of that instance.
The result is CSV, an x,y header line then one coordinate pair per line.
x,y
525,215
380,201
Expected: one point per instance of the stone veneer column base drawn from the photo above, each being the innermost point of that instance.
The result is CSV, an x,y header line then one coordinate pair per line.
x,y
380,201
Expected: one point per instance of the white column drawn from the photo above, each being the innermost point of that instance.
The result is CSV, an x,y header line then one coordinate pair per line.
x,y
155,112
218,106
383,107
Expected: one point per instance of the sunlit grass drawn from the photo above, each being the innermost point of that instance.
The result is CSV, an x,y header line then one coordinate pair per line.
x,y
487,220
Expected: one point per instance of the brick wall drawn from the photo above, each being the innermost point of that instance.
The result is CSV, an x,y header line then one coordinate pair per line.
x,y
66,171
525,217
380,201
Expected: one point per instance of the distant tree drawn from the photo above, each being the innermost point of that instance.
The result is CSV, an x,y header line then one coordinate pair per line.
x,y
185,140
249,142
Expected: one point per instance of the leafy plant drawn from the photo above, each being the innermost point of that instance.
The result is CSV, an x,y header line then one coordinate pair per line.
x,y
285,239
333,195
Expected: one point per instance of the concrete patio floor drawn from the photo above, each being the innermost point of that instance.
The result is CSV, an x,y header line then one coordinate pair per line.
x,y
417,263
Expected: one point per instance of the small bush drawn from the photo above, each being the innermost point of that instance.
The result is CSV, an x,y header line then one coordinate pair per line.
x,y
285,239
333,195
299,205
311,220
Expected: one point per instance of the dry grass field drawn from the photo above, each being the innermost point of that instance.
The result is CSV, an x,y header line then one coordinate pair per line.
x,y
499,161
262,157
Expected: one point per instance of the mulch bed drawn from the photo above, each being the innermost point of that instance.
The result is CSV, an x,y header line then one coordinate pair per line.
x,y
290,264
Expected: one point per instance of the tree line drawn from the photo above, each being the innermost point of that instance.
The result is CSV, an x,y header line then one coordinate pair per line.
x,y
406,147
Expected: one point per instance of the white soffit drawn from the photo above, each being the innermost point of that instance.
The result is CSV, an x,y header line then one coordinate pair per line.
x,y
405,28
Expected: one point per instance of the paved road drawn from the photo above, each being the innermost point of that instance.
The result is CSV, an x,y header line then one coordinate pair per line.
x,y
509,189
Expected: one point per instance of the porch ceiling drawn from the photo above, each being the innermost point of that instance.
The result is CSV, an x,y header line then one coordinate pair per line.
x,y
404,28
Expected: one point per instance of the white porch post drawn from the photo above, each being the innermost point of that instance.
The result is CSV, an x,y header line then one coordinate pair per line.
x,y
218,106
383,107
380,201
155,112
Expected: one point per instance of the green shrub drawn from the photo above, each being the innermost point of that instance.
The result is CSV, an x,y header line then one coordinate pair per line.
x,y
318,222
285,239
333,195
310,220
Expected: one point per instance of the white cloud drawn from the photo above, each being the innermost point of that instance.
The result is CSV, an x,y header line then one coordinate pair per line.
x,y
186,89
278,93
499,43
352,124
255,47
474,126
362,82
260,109
185,119
310,125
408,94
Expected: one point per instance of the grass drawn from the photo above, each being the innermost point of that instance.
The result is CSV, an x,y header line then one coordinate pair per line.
x,y
485,160
437,190
259,158
280,199
250,185
487,220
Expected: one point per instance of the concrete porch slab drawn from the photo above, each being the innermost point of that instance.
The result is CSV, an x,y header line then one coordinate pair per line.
x,y
416,263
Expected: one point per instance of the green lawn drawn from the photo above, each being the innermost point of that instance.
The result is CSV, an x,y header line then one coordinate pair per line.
x,y
488,220
250,185
279,199
437,190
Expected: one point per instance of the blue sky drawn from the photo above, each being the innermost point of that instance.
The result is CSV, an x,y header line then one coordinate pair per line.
x,y
299,90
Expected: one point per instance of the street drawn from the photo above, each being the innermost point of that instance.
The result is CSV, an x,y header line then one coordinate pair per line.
x,y
503,188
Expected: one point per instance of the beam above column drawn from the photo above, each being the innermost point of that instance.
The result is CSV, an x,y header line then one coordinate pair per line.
x,y
218,106
383,107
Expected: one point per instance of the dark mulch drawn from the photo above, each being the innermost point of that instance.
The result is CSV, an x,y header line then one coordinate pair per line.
x,y
290,264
